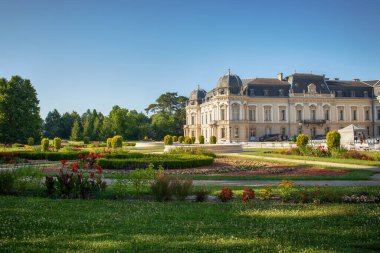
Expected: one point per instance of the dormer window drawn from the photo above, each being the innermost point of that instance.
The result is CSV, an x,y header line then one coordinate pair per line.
x,y
281,92
251,92
352,93
365,94
266,92
339,93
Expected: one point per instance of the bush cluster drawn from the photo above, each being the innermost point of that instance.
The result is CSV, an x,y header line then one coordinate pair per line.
x,y
86,140
165,186
117,141
192,151
175,138
333,139
201,139
181,139
188,140
212,139
109,142
168,140
50,156
45,144
302,140
57,143
167,161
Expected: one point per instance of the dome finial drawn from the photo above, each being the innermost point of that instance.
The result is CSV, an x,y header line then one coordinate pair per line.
x,y
229,72
198,86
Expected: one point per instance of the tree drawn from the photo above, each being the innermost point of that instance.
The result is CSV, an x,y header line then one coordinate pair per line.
x,y
52,126
19,111
76,133
169,107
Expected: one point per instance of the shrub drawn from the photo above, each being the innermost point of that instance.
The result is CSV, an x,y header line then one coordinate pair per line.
x,y
167,161
45,144
174,138
30,141
181,139
192,140
201,139
161,188
181,187
248,194
50,156
168,140
120,185
86,140
117,141
266,194
225,194
212,139
353,154
286,189
302,140
140,178
57,143
338,152
7,180
188,140
192,151
294,138
201,194
333,139
109,142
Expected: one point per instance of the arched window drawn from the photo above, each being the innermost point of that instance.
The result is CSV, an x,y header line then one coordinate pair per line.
x,y
235,112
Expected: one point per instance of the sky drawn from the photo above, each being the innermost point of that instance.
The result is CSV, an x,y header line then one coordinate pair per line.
x,y
97,54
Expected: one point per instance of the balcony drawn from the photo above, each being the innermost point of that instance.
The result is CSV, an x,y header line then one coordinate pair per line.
x,y
313,121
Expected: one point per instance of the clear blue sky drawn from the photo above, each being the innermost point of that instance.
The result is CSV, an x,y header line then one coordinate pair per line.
x,y
95,54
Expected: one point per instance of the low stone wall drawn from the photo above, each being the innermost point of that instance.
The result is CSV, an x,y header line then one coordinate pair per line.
x,y
217,148
142,144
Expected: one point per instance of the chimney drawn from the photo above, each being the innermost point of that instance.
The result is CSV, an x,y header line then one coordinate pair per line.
x,y
357,80
336,79
326,78
280,76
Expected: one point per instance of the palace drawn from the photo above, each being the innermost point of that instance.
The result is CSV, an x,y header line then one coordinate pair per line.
x,y
241,110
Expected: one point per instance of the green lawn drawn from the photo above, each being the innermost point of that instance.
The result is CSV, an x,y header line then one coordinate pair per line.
x,y
45,225
271,152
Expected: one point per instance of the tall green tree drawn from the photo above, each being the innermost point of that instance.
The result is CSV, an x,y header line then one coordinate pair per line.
x,y
169,114
76,131
53,125
19,111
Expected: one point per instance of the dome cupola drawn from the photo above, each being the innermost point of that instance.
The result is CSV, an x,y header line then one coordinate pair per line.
x,y
230,81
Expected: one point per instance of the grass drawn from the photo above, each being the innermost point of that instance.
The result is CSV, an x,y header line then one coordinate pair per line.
x,y
275,153
352,175
43,225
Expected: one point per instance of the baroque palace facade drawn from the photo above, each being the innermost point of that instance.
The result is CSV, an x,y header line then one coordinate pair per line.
x,y
241,110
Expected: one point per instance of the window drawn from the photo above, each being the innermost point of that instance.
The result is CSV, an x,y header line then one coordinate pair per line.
x,y
251,92
235,112
365,94
354,116
223,134
236,132
192,120
252,114
378,114
252,132
222,114
283,131
281,92
352,93
210,117
339,93
366,114
327,115
268,130
268,114
266,92
192,133
299,115
341,114
283,115
368,131
313,114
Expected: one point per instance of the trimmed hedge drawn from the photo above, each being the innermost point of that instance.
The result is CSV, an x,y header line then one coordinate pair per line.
x,y
50,156
166,161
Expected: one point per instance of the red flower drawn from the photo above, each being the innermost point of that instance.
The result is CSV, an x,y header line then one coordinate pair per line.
x,y
80,156
92,174
75,169
63,162
99,169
